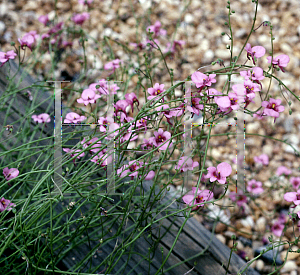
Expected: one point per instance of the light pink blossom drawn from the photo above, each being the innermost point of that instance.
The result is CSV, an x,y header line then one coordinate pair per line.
x,y
283,170
254,187
156,29
272,107
277,228
113,65
185,163
79,19
201,80
10,173
293,196
264,159
4,57
202,196
295,181
73,118
42,118
6,205
160,138
88,96
44,19
280,61
155,91
256,51
220,173
240,198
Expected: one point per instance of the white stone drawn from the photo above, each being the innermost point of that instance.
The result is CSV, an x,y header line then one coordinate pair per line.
x,y
188,18
260,265
223,54
289,266
261,224
248,222
286,48
221,238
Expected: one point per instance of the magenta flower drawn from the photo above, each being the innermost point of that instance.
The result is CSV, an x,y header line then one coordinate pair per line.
x,y
6,205
131,99
4,57
104,123
280,61
148,143
283,170
85,2
80,18
10,173
264,159
220,173
28,40
238,197
132,168
256,51
293,196
255,74
160,138
195,106
42,118
96,147
202,80
156,90
73,118
88,96
156,29
295,181
223,102
121,106
202,196
44,19
272,107
185,163
113,65
277,228
177,44
165,110
73,153
102,158
254,187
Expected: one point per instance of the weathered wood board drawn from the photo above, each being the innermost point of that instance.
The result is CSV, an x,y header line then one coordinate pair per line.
x,y
193,239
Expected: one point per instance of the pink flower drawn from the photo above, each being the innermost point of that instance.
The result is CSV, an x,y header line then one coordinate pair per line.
x,y
131,99
156,29
121,106
96,147
255,74
148,143
85,2
44,19
160,138
176,44
80,18
6,205
264,159
42,118
283,170
295,182
277,228
272,107
256,51
167,112
202,80
73,153
102,158
88,96
202,196
104,123
254,187
220,173
132,168
73,118
4,57
28,40
10,173
280,61
186,163
113,65
156,90
195,106
238,197
293,196
223,102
